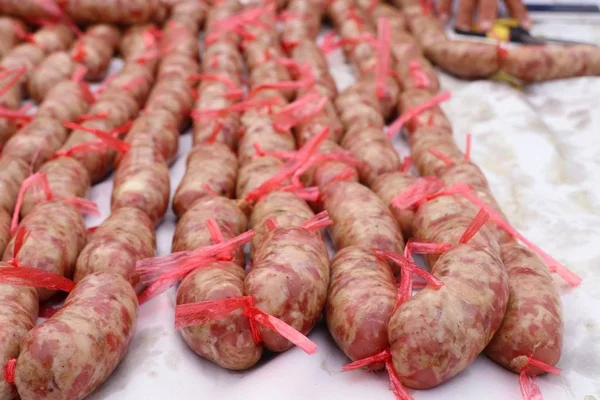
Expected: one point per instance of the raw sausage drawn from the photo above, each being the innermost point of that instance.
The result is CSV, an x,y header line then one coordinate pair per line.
x,y
99,316
211,169
57,234
360,301
142,179
124,238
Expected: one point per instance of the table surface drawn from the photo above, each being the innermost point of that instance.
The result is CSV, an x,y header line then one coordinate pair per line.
x,y
539,149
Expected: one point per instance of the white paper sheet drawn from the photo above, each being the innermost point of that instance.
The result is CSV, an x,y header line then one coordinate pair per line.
x,y
540,150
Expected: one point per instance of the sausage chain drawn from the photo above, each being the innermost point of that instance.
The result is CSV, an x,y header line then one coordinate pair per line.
x,y
18,64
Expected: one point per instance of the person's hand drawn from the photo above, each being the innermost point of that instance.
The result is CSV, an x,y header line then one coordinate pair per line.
x,y
487,11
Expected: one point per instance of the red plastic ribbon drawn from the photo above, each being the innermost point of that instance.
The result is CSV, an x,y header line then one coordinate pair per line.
x,y
206,311
396,386
412,113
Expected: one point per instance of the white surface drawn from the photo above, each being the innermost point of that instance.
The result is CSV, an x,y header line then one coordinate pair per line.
x,y
540,149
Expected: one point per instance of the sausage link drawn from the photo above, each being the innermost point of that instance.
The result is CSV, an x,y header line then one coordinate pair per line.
x,y
37,141
374,151
255,173
262,132
18,315
140,78
112,11
163,127
211,167
327,117
358,109
533,324
175,65
55,68
360,218
124,238
436,334
142,179
433,117
543,63
66,177
57,234
191,232
10,29
284,209
171,95
389,185
66,101
13,172
190,14
99,316
52,38
226,341
95,49
360,301
289,280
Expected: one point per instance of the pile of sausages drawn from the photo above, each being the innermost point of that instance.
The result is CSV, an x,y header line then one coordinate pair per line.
x,y
278,154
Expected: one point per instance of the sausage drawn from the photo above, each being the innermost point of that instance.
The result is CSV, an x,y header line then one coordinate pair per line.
x,y
360,218
438,332
210,169
112,11
52,38
533,324
284,209
99,316
191,232
190,14
308,52
255,173
288,280
37,141
543,63
360,301
177,39
57,234
55,68
302,23
66,101
359,109
10,34
124,238
13,172
374,151
5,221
262,132
142,180
136,41
433,117
120,107
162,126
177,65
18,315
226,341
95,49
227,125
389,185
66,178
426,138
327,117
171,95
134,78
